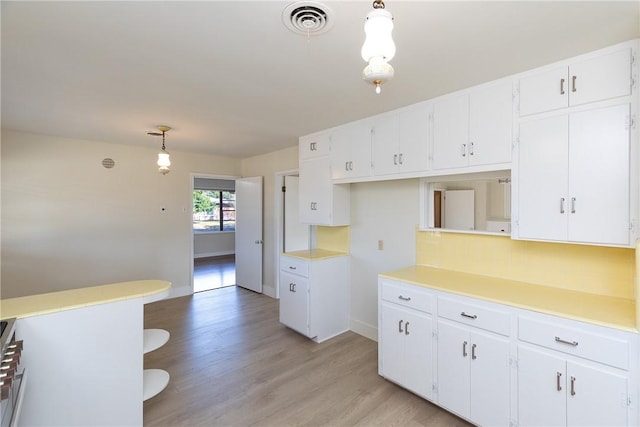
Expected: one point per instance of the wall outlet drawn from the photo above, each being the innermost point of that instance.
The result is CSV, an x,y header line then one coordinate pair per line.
x,y
380,245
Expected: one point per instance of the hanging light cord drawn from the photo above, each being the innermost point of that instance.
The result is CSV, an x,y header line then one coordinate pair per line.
x,y
163,141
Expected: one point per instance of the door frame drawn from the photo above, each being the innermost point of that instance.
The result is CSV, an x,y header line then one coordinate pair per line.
x,y
192,183
278,225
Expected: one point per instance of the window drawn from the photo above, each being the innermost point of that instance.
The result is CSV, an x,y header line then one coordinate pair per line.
x,y
214,210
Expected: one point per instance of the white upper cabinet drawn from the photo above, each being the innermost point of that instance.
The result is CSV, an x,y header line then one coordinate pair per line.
x,y
351,150
401,141
474,128
313,146
573,177
320,201
598,78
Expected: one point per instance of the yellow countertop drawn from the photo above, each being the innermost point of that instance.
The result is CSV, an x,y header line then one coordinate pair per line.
x,y
314,254
598,309
52,302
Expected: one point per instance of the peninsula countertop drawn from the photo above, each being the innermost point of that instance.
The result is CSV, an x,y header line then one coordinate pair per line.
x,y
619,313
33,305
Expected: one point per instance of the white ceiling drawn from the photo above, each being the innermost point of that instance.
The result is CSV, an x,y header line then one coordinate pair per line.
x,y
232,80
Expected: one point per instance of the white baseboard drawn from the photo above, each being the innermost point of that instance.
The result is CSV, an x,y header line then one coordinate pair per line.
x,y
269,291
212,254
180,291
364,329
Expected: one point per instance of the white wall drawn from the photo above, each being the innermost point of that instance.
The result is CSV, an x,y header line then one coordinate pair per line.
x,y
214,244
267,165
386,211
67,222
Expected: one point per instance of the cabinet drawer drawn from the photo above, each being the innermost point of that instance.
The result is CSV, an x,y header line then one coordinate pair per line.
x,y
296,266
475,315
577,341
407,295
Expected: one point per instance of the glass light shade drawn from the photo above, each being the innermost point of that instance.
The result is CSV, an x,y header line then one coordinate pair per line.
x,y
378,71
163,162
378,42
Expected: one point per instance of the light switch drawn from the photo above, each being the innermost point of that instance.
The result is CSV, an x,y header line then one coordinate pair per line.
x,y
380,245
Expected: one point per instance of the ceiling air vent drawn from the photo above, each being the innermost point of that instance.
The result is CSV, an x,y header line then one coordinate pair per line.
x,y
308,18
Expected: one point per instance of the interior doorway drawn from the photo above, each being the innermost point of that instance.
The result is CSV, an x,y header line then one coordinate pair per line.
x,y
213,232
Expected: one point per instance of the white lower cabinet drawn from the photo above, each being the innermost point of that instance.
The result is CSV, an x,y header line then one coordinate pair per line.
x,y
308,287
553,391
473,374
498,365
407,348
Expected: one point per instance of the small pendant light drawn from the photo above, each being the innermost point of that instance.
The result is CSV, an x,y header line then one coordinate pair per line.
x,y
164,162
378,48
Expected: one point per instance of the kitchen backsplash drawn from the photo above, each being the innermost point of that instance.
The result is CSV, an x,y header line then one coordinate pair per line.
x,y
594,269
334,238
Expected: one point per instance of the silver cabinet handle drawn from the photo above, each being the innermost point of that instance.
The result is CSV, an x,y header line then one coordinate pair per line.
x,y
312,146
571,343
558,386
463,150
395,159
471,149
573,83
464,349
561,86
400,158
473,352
400,326
400,297
561,205
573,386
351,166
573,205
346,166
291,267
469,316
292,287
406,328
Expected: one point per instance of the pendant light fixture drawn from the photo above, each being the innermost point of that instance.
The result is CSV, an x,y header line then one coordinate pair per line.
x,y
378,48
164,162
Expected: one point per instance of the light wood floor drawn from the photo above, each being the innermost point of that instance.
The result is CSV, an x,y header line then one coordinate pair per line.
x,y
233,364
214,272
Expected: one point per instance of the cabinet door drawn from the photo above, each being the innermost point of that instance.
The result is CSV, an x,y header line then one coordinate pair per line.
x,y
385,144
607,76
598,205
454,352
541,388
542,179
595,397
490,124
407,349
351,151
315,191
311,146
294,302
393,364
545,91
418,356
451,132
490,380
413,153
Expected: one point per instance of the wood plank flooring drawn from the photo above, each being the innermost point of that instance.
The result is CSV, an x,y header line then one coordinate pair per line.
x,y
233,364
214,272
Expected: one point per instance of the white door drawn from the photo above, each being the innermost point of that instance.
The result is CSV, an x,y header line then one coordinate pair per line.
x,y
595,396
296,234
490,380
249,233
451,132
541,388
459,209
454,352
598,199
542,178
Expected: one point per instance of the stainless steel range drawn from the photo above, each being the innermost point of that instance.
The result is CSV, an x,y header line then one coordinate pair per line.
x,y
12,374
